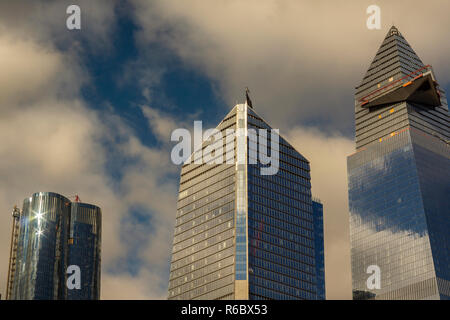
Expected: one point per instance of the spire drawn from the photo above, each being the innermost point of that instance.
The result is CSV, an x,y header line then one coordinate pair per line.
x,y
247,98
394,59
393,31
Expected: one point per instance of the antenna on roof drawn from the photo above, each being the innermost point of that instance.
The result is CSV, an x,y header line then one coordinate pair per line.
x,y
248,101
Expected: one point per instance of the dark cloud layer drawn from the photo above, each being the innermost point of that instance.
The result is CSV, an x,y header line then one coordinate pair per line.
x,y
300,57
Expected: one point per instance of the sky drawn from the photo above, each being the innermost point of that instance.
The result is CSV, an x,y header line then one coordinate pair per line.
x,y
90,111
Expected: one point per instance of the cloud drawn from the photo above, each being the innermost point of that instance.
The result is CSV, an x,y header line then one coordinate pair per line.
x,y
36,72
302,57
44,21
161,124
127,287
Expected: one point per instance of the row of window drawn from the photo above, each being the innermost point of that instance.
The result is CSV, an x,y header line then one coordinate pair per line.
x,y
216,242
218,228
208,199
271,290
207,290
277,184
302,263
201,272
302,210
188,265
226,172
276,193
281,233
213,276
227,211
284,280
209,191
389,119
227,244
191,179
199,213
292,218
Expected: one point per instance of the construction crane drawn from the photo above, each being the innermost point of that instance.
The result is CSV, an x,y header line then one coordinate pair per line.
x,y
13,251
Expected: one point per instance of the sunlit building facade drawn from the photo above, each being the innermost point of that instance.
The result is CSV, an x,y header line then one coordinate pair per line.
x,y
54,233
241,234
399,179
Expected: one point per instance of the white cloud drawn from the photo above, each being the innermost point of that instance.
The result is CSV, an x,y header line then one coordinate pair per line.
x,y
162,125
45,22
35,72
144,286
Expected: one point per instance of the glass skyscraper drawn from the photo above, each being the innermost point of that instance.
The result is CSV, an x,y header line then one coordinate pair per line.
x,y
399,179
241,234
52,234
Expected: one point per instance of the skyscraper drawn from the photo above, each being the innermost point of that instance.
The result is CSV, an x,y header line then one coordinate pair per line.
x,y
244,234
399,179
319,248
52,234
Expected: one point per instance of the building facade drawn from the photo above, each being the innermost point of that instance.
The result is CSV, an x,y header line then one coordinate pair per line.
x,y
241,234
399,179
84,249
53,234
319,247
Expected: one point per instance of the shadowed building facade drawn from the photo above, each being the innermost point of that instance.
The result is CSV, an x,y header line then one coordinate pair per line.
x,y
241,234
399,178
54,233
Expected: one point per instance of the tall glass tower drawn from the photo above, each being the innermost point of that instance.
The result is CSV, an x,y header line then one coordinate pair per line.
x,y
399,179
244,234
52,234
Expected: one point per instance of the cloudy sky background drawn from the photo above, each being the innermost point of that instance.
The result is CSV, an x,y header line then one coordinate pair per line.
x,y
90,112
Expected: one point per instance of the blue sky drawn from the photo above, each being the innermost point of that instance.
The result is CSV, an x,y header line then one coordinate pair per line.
x,y
179,89
96,107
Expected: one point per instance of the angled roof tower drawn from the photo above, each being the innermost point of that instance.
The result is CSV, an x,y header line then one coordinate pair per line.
x,y
397,78
398,178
